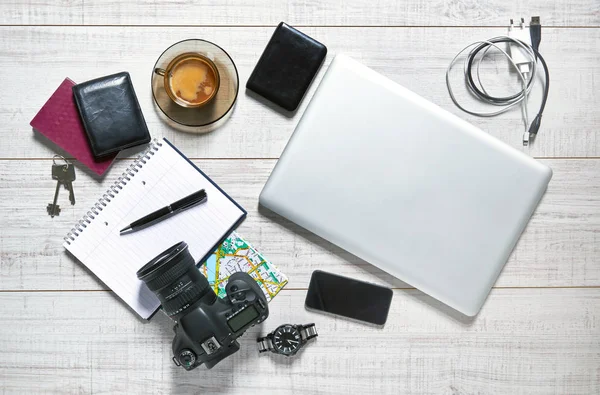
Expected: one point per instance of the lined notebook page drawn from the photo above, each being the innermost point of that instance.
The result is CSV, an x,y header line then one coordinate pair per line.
x,y
160,177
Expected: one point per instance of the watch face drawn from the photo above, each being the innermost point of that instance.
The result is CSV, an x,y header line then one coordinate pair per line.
x,y
287,340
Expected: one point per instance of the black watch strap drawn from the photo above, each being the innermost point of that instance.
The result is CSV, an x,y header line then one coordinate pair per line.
x,y
264,344
308,331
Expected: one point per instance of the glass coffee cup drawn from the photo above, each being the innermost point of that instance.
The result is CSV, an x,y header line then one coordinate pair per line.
x,y
191,80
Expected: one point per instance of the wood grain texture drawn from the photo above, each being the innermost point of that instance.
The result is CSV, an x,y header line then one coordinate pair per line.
x,y
523,342
298,12
560,247
529,338
416,58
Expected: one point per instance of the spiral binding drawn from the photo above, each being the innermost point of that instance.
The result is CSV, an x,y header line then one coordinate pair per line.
x,y
113,191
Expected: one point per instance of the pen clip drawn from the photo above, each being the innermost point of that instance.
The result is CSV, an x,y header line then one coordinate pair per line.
x,y
185,206
189,201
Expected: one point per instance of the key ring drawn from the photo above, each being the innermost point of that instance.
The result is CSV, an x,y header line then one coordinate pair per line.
x,y
67,163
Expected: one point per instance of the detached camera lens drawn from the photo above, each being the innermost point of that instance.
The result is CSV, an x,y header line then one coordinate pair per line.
x,y
175,279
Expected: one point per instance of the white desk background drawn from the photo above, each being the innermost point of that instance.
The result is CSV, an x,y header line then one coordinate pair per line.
x,y
62,331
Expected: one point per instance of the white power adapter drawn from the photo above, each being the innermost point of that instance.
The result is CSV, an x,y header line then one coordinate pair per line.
x,y
518,54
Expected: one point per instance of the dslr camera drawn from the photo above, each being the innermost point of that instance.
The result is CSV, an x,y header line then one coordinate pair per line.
x,y
206,326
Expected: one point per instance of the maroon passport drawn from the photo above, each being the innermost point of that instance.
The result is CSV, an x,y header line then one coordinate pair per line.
x,y
59,121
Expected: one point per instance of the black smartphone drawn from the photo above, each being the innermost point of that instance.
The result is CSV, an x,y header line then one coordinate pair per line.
x,y
348,297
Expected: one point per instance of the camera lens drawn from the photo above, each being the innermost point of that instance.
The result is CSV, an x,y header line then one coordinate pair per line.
x,y
175,279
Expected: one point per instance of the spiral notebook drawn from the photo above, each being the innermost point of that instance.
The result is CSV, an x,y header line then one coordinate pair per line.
x,y
160,176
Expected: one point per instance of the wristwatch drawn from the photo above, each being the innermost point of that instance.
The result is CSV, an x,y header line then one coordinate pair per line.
x,y
287,339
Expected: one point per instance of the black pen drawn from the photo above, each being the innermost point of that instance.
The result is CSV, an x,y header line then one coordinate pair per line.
x,y
189,201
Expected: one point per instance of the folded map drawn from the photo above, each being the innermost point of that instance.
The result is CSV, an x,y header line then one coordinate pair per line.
x,y
237,255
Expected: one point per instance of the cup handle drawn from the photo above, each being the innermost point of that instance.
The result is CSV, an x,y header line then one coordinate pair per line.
x,y
160,71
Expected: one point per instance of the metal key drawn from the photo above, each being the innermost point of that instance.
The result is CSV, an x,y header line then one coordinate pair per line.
x,y
66,177
53,208
64,174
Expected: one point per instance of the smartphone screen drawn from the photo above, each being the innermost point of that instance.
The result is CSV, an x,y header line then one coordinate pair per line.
x,y
348,297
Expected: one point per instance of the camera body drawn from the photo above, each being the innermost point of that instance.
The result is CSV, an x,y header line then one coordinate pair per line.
x,y
206,326
207,333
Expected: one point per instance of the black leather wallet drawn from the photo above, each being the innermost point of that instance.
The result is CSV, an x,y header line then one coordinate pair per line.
x,y
287,67
111,114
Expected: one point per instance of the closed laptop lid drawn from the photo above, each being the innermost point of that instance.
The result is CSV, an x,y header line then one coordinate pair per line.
x,y
405,185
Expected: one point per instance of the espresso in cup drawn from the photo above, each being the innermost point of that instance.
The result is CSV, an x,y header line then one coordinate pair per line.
x,y
191,79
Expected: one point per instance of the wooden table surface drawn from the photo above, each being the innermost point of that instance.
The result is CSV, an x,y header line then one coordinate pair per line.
x,y
62,331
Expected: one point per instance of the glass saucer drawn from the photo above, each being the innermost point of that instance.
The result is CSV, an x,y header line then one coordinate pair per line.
x,y
214,113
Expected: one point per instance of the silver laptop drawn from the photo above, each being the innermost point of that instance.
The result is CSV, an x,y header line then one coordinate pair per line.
x,y
405,185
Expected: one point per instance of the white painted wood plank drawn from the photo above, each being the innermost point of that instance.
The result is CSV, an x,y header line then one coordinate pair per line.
x,y
523,342
560,247
298,12
415,57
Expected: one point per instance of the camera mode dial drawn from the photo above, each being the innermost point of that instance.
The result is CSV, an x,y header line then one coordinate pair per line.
x,y
187,358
